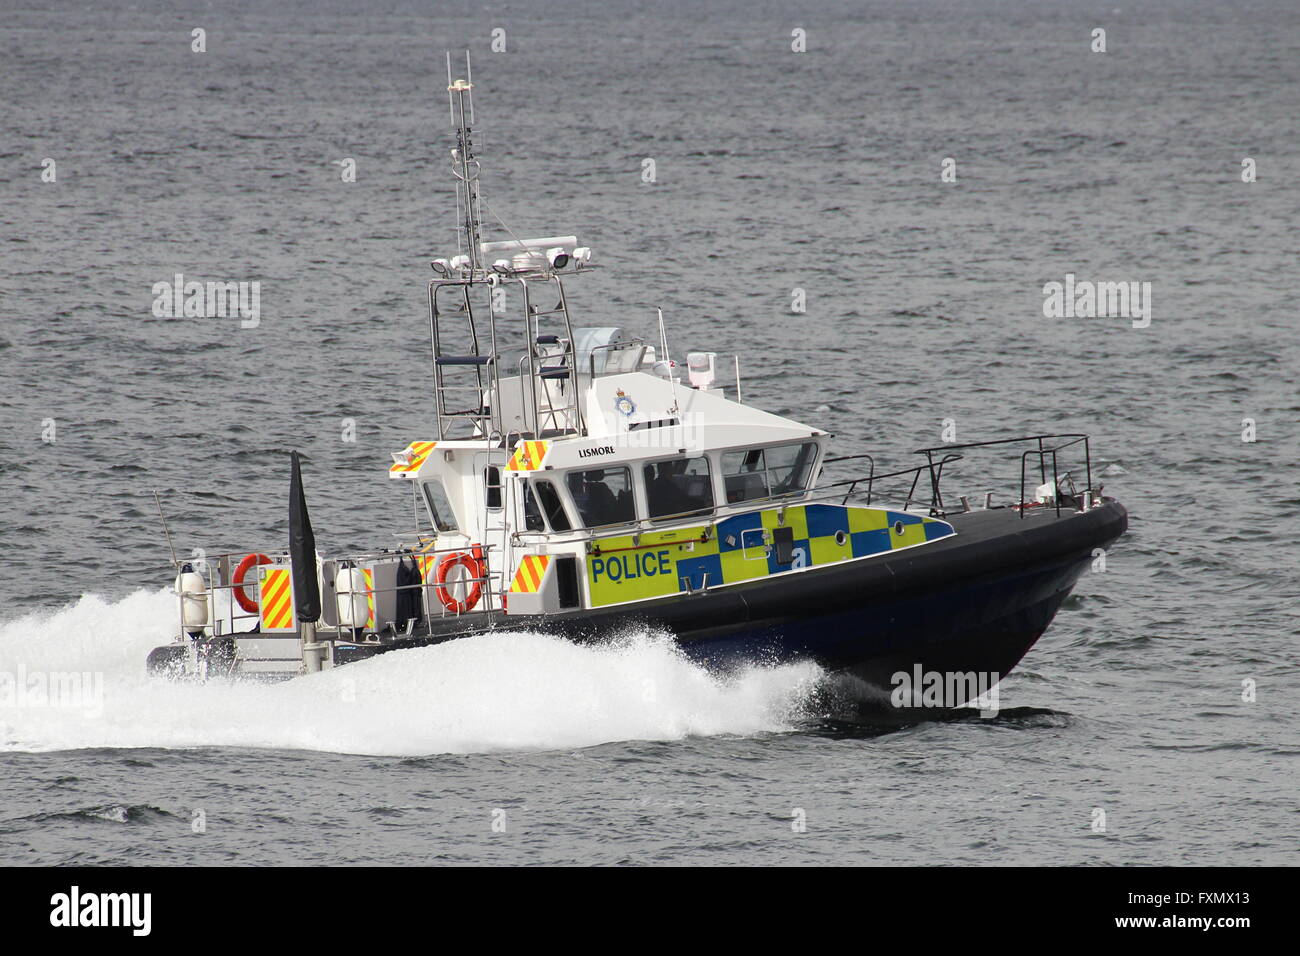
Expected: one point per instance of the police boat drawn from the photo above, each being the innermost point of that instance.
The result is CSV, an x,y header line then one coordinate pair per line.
x,y
579,481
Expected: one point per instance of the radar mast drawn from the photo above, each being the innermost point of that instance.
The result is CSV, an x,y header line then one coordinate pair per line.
x,y
465,166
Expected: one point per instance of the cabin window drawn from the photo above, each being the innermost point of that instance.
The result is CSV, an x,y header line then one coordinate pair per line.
x,y
435,496
678,487
767,472
552,507
743,475
603,496
532,515
657,423
492,486
788,467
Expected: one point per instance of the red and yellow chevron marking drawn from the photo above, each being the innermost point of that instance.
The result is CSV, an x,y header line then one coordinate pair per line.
x,y
369,575
529,576
528,456
277,599
414,453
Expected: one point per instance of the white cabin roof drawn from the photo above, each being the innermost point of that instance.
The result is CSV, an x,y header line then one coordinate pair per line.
x,y
631,416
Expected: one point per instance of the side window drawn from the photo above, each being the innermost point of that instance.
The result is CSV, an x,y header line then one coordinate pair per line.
x,y
678,487
435,495
552,507
532,516
603,496
743,475
492,486
788,467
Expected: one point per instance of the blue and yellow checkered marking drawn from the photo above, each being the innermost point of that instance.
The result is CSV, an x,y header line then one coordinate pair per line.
x,y
660,563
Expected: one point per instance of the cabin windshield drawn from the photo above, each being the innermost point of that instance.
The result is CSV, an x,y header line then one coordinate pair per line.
x,y
755,473
788,467
532,515
552,506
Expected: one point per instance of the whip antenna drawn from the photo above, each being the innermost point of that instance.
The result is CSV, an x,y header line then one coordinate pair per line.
x,y
168,534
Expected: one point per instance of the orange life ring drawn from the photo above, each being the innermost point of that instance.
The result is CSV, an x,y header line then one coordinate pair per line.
x,y
247,603
471,563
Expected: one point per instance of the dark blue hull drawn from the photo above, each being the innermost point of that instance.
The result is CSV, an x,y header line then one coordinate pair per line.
x,y
985,625
975,601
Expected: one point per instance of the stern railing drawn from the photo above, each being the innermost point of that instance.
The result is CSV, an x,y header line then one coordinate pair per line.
x,y
223,608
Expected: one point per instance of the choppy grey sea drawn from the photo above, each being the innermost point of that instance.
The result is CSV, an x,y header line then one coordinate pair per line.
x,y
1155,722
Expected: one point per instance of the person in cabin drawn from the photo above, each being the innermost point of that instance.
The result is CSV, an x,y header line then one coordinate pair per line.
x,y
601,503
664,490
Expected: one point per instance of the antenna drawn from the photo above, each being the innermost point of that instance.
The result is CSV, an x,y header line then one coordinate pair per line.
x,y
158,502
450,105
663,341
464,165
469,78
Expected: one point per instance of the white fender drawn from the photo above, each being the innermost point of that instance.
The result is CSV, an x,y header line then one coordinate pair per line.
x,y
192,593
350,599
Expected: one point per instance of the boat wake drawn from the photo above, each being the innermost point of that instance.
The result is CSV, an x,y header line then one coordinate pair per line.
x,y
74,678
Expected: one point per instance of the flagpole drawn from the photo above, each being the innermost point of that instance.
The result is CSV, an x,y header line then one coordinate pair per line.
x,y
302,558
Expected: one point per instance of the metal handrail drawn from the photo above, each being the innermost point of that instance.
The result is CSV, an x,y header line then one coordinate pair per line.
x,y
278,556
445,416
1042,450
935,468
216,585
613,347
1056,475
